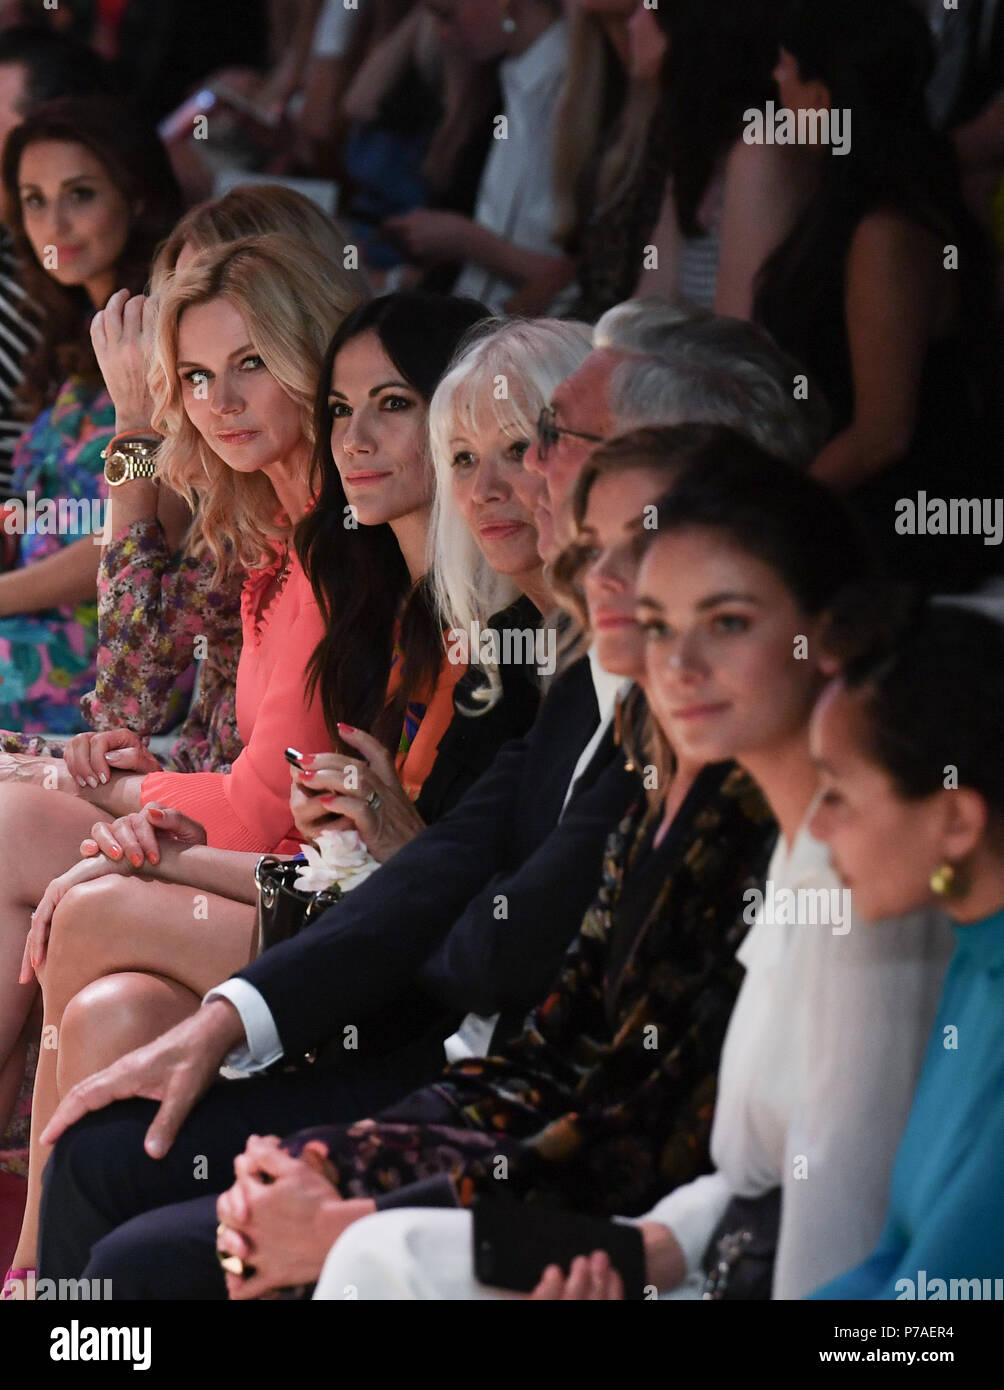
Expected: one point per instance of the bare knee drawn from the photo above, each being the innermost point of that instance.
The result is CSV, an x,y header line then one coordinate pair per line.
x,y
82,919
113,1015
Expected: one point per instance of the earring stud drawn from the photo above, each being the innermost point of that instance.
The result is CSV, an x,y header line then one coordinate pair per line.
x,y
943,880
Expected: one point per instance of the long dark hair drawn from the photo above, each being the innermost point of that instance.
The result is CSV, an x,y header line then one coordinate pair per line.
x,y
139,168
718,66
875,57
359,576
931,673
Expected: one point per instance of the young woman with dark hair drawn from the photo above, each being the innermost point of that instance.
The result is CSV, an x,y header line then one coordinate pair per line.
x,y
909,749
89,194
826,1038
882,287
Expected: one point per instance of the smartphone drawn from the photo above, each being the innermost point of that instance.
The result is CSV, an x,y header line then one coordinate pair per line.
x,y
514,1242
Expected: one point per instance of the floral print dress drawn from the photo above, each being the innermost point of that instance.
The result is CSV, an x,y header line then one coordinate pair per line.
x,y
47,658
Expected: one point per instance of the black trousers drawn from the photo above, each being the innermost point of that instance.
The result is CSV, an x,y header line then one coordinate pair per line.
x,y
100,1179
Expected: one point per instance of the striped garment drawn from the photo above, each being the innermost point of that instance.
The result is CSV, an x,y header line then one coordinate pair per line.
x,y
17,336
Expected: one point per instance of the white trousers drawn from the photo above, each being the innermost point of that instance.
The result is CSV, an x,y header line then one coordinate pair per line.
x,y
419,1253
405,1253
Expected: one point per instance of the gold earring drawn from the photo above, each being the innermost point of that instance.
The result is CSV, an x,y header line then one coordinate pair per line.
x,y
629,763
943,880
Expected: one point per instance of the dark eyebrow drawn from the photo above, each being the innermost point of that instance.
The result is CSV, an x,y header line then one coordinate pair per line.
x,y
711,601
75,178
374,390
727,596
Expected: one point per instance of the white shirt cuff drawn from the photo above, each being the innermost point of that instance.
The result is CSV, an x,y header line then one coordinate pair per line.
x,y
263,1046
692,1212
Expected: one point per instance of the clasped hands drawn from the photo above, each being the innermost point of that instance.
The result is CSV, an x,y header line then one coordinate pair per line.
x,y
280,1218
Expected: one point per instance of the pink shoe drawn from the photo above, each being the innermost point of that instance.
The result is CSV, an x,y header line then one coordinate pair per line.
x,y
15,1282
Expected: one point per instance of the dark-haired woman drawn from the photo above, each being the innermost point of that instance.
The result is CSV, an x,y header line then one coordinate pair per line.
x,y
826,1039
881,288
89,194
908,744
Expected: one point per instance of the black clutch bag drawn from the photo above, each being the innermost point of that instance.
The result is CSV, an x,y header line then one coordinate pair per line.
x,y
739,1260
283,909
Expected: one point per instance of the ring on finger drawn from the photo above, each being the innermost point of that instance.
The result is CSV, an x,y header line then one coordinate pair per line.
x,y
373,801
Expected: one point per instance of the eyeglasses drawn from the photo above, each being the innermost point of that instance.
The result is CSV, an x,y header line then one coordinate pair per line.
x,y
549,434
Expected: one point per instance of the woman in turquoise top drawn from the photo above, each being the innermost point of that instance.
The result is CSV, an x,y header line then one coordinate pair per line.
x,y
89,195
909,746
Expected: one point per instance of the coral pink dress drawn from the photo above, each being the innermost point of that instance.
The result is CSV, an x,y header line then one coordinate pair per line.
x,y
248,808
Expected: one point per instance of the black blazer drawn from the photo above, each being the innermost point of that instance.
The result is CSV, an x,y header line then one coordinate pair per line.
x,y
361,955
468,747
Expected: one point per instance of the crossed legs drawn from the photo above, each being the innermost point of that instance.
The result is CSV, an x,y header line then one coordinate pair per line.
x,y
40,835
128,958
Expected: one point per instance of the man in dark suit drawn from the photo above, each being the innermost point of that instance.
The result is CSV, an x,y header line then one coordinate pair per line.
x,y
434,910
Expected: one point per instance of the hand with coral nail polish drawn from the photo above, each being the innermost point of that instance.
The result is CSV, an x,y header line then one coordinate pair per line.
x,y
144,836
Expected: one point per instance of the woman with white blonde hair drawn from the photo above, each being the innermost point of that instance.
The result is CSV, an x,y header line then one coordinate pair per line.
x,y
482,421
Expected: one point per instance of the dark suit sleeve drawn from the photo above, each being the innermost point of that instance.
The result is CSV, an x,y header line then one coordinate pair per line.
x,y
505,948
360,955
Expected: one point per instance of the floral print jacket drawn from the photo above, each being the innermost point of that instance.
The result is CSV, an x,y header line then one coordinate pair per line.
x,y
158,613
604,1103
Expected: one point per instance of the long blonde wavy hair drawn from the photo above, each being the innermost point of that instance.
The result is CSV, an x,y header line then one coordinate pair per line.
x,y
292,299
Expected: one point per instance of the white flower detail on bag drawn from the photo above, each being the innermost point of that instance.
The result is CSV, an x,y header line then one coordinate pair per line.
x,y
339,860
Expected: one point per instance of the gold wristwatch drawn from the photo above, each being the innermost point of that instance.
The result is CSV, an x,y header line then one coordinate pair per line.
x,y
130,456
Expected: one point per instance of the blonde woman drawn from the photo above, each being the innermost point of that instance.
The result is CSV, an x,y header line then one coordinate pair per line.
x,y
240,339
161,604
155,604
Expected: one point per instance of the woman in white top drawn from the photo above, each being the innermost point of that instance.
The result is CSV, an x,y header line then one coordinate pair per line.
x,y
827,1036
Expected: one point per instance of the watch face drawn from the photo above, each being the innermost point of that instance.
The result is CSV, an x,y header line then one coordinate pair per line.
x,y
116,469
